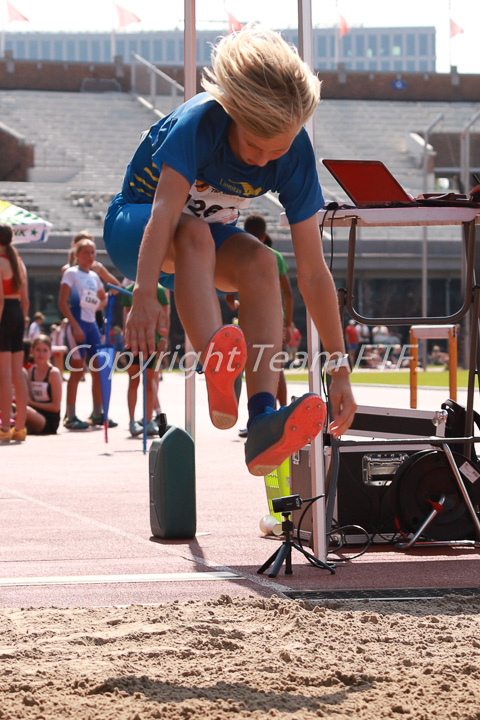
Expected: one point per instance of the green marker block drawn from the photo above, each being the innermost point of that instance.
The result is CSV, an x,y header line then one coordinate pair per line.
x,y
172,486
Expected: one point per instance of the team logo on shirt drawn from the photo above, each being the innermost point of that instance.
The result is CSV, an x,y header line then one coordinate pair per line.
x,y
201,186
240,188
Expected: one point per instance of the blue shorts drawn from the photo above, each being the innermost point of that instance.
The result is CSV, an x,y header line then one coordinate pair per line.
x,y
123,232
89,346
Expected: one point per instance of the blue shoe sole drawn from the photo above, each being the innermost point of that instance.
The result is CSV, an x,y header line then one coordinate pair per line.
x,y
273,437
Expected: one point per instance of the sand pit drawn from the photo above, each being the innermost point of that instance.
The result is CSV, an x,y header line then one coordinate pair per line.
x,y
243,658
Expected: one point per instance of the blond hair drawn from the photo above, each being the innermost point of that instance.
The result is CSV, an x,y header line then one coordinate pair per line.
x,y
261,82
82,235
84,242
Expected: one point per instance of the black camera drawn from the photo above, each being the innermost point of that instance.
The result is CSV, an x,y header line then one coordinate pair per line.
x,y
288,503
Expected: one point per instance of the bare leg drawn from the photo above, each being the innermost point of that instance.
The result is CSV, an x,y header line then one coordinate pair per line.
x,y
195,294
133,383
21,392
246,265
35,421
6,388
96,386
76,367
282,390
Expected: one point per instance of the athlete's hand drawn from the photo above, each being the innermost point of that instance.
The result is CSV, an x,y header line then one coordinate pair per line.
x,y
142,321
342,403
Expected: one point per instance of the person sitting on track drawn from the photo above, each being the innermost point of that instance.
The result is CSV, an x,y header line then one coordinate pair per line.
x,y
44,383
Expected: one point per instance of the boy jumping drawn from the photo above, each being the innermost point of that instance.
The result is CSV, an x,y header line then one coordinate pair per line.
x,y
174,222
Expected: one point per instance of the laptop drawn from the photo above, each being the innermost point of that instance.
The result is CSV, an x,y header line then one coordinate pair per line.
x,y
368,183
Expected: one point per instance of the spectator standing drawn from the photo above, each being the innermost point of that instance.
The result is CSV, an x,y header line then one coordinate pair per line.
x,y
13,309
35,328
96,416
57,339
294,342
351,341
150,364
81,295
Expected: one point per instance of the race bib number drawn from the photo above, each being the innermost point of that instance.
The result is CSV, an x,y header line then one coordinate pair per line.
x,y
89,300
212,205
39,391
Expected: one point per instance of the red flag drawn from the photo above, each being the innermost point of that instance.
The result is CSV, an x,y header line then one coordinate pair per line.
x,y
455,29
14,15
343,26
234,25
125,17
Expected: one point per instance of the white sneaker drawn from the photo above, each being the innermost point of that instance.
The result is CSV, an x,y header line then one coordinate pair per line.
x,y
135,428
152,428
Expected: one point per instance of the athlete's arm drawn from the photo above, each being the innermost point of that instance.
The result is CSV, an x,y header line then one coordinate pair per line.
x,y
287,293
64,308
316,284
156,247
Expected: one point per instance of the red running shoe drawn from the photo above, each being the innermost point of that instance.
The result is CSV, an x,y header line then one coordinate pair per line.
x,y
276,434
225,358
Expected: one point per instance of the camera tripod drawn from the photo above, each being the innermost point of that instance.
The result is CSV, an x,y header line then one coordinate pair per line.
x,y
284,553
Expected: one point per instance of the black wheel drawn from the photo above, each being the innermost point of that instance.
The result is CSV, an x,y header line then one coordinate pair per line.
x,y
422,479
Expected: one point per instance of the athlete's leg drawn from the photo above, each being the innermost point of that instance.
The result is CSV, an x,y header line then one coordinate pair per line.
x,y
21,392
282,389
246,265
6,389
193,263
133,383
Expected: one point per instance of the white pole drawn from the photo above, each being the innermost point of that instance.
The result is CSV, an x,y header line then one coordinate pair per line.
x,y
114,49
426,158
2,33
190,89
317,467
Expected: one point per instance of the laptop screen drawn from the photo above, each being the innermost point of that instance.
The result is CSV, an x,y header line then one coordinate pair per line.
x,y
367,182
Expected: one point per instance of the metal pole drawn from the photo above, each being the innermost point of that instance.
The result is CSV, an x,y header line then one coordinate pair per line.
x,y
317,465
426,157
465,180
465,155
190,88
133,75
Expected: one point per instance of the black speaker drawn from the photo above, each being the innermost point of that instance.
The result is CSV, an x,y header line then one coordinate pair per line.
x,y
365,494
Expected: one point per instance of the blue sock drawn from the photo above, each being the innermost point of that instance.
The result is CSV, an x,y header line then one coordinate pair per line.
x,y
257,405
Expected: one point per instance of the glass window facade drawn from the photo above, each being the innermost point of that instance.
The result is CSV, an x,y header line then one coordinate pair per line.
x,y
45,50
423,44
410,43
70,53
378,48
95,51
360,45
158,50
170,50
397,48
372,47
321,46
384,45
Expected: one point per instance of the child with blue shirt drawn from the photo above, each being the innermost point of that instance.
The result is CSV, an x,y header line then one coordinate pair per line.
x,y
174,222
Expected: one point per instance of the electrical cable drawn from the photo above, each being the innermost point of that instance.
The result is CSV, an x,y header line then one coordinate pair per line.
x,y
341,530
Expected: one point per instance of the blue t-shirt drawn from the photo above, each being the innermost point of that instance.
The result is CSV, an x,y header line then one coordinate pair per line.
x,y
193,140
